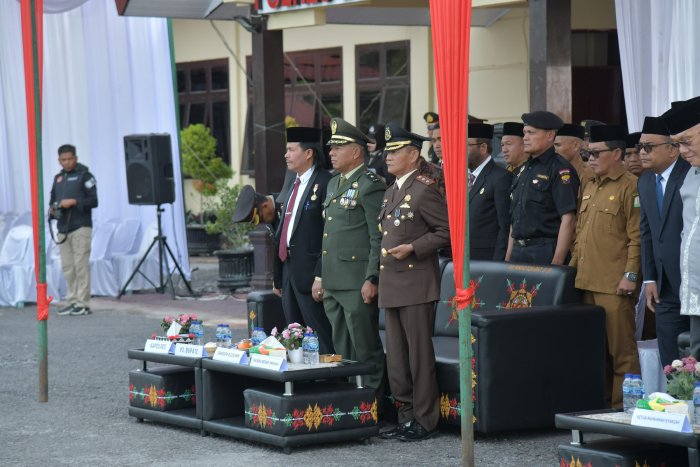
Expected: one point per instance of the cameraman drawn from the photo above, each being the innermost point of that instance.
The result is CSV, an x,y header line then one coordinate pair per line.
x,y
73,196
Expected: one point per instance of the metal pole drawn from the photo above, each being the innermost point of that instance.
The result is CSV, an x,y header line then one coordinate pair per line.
x,y
465,347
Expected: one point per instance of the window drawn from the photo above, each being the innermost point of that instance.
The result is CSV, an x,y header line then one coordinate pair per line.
x,y
313,93
383,84
204,98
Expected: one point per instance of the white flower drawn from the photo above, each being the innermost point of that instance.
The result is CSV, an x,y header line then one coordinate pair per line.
x,y
677,364
697,367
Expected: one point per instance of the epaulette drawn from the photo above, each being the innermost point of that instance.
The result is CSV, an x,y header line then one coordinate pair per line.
x,y
372,176
425,180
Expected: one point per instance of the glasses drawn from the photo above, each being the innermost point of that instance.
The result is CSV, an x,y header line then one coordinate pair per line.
x,y
687,142
648,147
592,154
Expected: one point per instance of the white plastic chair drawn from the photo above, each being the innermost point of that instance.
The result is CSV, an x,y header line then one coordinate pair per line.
x,y
102,278
17,282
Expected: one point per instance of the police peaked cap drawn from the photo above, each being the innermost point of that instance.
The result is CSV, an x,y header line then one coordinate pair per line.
x,y
569,129
480,130
343,133
602,133
248,200
397,138
543,120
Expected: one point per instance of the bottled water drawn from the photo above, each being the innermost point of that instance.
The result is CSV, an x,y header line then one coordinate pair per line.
x,y
227,335
313,349
197,329
627,403
696,403
305,348
219,335
637,390
257,336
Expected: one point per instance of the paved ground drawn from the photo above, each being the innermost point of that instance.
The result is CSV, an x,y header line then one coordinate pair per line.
x,y
86,422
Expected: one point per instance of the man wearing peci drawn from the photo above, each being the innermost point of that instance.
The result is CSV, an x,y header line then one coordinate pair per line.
x,y
350,253
299,235
414,225
489,203
661,224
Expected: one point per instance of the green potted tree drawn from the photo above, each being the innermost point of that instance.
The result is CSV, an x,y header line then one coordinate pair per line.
x,y
205,168
236,259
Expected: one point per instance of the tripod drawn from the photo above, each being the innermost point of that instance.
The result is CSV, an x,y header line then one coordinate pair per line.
x,y
163,248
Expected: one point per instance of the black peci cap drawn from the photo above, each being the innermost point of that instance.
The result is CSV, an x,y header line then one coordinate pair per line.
x,y
655,126
396,138
480,130
301,134
543,120
683,116
632,139
513,129
602,133
569,129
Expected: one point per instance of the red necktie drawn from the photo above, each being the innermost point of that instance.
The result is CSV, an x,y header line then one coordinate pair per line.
x,y
472,178
287,219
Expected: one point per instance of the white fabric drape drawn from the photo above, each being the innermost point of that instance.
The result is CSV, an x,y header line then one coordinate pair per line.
x,y
659,54
105,77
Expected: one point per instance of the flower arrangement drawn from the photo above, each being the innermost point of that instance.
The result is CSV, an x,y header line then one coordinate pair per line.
x,y
291,336
682,375
185,320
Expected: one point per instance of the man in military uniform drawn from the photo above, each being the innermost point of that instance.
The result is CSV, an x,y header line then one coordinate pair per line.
x,y
350,252
489,202
255,208
413,221
512,147
73,197
375,150
633,162
432,123
543,197
569,145
607,250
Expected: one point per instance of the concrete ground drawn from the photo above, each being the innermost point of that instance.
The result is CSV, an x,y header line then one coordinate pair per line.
x,y
85,422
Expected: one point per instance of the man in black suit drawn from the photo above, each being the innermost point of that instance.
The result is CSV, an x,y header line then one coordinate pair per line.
x,y
661,225
300,232
489,202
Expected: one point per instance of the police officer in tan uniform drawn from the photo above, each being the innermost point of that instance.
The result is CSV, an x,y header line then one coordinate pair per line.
x,y
607,250
413,222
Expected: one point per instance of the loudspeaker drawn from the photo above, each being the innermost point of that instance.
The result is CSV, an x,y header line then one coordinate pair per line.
x,y
149,169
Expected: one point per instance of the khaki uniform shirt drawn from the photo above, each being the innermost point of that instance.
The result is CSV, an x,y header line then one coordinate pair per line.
x,y
607,232
585,174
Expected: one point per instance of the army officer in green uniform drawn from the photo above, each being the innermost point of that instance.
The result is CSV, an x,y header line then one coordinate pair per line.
x,y
350,252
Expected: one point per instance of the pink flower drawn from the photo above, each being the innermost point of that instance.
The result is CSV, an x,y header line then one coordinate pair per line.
x,y
168,319
184,318
689,366
193,316
285,334
294,325
690,360
274,331
668,369
309,329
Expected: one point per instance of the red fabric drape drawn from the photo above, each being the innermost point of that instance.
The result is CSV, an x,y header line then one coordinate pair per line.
x,y
450,20
32,44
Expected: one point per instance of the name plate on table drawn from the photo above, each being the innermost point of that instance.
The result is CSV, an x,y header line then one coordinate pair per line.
x,y
661,420
155,346
239,357
189,350
268,362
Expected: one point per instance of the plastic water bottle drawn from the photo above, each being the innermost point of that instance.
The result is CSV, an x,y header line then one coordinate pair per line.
x,y
197,329
258,336
227,335
696,403
637,390
305,348
313,349
219,335
627,404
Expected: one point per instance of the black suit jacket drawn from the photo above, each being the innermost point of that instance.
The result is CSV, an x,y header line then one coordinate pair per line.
x,y
661,235
307,232
489,213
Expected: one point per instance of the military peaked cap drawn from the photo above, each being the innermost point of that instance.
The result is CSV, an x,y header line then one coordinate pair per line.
x,y
344,133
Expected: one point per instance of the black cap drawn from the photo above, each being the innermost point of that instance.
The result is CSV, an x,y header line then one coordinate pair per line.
x,y
632,139
248,201
480,130
682,116
655,126
602,133
513,129
543,120
396,138
302,134
343,133
588,124
569,129
376,132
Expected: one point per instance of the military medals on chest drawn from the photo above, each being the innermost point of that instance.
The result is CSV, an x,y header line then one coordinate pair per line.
x,y
313,195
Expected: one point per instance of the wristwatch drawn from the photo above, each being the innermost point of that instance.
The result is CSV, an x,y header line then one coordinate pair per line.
x,y
631,276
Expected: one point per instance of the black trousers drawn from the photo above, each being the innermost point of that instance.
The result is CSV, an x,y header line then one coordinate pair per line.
x,y
538,253
669,323
300,307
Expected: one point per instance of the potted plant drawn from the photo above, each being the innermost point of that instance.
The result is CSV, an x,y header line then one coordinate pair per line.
x,y
236,259
201,163
291,338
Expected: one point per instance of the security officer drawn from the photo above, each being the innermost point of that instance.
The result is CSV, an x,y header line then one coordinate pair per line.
x,y
73,197
375,149
544,195
432,123
350,252
414,224
607,250
512,147
255,208
569,145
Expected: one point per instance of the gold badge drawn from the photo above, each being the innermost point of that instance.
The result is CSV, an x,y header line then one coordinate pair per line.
x,y
387,134
481,192
384,253
612,197
543,177
334,126
407,198
313,196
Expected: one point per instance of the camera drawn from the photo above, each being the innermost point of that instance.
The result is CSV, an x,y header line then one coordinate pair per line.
x,y
56,211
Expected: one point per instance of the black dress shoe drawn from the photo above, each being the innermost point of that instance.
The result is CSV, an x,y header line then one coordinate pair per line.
x,y
415,432
396,431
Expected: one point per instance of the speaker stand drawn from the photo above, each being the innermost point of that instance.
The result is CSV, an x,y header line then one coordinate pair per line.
x,y
163,252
